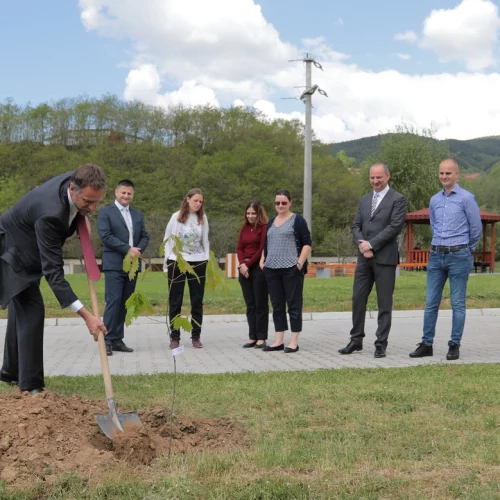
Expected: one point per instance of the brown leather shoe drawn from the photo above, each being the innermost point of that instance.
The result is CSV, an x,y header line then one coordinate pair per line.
x,y
196,343
174,343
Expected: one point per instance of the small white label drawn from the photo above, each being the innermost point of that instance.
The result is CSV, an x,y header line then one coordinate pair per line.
x,y
178,350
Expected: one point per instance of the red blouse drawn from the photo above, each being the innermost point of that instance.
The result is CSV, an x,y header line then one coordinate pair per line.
x,y
251,244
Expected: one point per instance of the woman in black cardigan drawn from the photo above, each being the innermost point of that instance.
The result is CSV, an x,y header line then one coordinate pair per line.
x,y
284,261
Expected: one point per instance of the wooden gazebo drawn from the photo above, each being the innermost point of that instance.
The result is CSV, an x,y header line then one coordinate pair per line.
x,y
486,258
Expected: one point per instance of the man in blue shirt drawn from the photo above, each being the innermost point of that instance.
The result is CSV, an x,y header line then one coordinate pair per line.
x,y
456,229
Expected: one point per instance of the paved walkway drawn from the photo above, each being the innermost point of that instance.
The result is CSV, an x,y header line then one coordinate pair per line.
x,y
70,350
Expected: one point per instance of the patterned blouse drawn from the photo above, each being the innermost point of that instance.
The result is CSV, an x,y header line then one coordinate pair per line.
x,y
281,247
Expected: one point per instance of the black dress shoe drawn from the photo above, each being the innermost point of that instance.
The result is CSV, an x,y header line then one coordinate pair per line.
x,y
260,346
109,351
453,352
421,351
291,349
120,346
250,344
379,351
269,348
36,391
351,347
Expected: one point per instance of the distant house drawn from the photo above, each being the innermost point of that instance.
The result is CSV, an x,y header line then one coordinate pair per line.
x,y
472,177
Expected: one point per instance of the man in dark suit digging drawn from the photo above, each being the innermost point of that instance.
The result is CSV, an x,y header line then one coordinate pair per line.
x,y
32,235
375,229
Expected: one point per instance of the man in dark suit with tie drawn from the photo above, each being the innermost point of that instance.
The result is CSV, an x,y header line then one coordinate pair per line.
x,y
32,234
122,232
375,229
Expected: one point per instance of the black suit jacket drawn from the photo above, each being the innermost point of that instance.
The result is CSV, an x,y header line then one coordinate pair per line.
x,y
32,235
114,235
383,228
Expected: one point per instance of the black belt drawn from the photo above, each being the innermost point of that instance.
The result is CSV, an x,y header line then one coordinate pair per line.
x,y
443,249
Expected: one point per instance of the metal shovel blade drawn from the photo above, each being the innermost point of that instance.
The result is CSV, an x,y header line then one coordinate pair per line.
x,y
113,422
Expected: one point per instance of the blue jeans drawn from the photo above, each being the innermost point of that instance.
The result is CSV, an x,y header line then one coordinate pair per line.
x,y
454,266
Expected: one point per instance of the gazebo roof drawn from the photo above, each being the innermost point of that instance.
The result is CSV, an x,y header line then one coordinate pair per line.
x,y
422,216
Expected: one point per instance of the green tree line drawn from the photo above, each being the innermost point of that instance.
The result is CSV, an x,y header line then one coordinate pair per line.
x,y
233,155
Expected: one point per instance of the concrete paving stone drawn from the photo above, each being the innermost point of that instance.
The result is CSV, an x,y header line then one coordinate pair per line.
x,y
70,350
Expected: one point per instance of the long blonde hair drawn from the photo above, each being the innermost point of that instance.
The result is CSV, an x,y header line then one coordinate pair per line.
x,y
184,210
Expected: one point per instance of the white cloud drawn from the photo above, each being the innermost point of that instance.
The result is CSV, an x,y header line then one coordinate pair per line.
x,y
338,22
405,57
225,53
407,36
466,33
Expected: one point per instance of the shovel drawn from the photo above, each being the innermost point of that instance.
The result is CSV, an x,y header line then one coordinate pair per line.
x,y
113,421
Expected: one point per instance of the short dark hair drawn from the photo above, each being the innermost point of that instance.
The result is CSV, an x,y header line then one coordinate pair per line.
x,y
88,175
283,192
125,183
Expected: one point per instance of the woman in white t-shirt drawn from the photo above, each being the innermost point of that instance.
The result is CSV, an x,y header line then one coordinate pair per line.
x,y
190,225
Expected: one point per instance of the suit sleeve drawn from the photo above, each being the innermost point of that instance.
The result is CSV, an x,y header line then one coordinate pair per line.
x,y
48,231
144,241
108,239
391,231
356,227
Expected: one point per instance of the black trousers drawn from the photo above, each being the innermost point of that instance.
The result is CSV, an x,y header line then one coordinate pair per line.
x,y
176,282
367,273
118,289
23,351
286,289
254,290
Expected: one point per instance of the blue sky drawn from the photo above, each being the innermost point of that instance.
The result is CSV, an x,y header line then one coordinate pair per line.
x,y
169,51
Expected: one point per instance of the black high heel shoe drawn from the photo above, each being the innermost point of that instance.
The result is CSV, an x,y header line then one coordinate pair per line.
x,y
269,348
291,349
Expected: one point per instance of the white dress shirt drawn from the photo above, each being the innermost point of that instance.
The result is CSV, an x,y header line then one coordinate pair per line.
x,y
73,211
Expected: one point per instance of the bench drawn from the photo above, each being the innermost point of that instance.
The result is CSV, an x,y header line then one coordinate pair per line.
x,y
413,266
330,270
483,265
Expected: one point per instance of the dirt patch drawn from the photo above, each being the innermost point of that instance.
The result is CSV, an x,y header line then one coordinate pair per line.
x,y
44,435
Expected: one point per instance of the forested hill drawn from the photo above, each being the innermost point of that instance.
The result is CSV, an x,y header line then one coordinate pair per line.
x,y
473,155
234,155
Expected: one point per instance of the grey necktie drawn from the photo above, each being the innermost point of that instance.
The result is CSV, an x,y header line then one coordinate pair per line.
x,y
128,221
374,203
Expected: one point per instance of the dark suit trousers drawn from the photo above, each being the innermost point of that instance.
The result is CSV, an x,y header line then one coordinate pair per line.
x,y
118,289
254,290
23,352
176,282
367,273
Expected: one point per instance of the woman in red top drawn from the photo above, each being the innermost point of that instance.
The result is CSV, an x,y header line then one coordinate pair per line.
x,y
252,280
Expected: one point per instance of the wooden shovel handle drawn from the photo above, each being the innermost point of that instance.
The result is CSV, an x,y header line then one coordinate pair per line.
x,y
102,345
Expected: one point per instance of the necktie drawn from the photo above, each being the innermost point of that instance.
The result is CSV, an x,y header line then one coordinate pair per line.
x,y
128,221
374,203
87,250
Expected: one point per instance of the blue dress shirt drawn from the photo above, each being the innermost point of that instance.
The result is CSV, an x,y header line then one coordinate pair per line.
x,y
455,218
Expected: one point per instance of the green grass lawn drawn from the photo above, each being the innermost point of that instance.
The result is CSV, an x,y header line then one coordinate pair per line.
x,y
319,294
413,433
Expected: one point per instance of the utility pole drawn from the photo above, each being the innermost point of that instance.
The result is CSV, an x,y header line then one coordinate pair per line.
x,y
306,97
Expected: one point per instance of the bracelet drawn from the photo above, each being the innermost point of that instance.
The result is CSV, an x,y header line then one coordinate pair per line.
x,y
299,264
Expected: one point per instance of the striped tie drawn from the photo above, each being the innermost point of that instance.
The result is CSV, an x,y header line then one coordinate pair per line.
x,y
374,203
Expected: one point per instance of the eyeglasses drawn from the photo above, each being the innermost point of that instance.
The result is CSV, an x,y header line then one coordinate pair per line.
x,y
283,203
